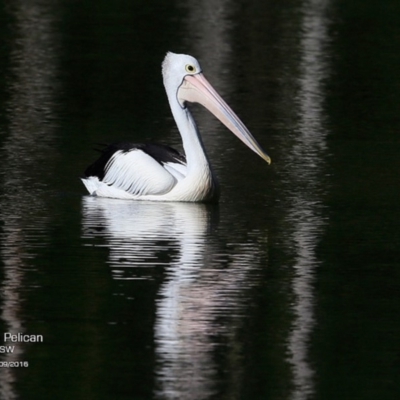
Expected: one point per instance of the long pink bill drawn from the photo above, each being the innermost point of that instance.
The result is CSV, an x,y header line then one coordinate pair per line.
x,y
196,89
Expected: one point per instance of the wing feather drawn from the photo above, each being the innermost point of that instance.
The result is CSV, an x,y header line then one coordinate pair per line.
x,y
137,173
127,169
177,169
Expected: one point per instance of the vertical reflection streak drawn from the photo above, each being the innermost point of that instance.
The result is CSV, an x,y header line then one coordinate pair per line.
x,y
307,165
182,341
22,209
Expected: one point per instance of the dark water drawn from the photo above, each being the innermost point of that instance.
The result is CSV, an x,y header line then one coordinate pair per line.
x,y
289,289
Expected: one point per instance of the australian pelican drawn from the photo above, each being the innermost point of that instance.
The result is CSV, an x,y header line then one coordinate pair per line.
x,y
158,172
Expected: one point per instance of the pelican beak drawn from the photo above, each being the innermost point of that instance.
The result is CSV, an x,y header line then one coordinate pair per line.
x,y
196,89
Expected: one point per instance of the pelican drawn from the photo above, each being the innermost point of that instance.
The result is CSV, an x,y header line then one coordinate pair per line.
x,y
157,172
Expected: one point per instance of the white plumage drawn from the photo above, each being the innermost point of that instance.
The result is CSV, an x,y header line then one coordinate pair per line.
x,y
138,173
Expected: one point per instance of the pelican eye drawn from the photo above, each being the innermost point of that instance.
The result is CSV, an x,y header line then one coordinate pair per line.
x,y
190,68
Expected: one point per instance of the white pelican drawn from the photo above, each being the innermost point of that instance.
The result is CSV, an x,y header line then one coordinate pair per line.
x,y
158,172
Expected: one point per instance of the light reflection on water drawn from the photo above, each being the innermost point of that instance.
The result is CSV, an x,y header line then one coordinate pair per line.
x,y
305,189
144,234
202,298
25,151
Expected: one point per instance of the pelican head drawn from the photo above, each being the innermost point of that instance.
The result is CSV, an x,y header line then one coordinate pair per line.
x,y
184,79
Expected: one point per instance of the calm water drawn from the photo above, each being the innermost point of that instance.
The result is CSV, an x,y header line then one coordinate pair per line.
x,y
288,289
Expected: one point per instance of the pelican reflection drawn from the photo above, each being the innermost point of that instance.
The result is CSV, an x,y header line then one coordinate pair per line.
x,y
202,302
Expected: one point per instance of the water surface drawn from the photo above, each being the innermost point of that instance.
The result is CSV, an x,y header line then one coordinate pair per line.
x,y
288,289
